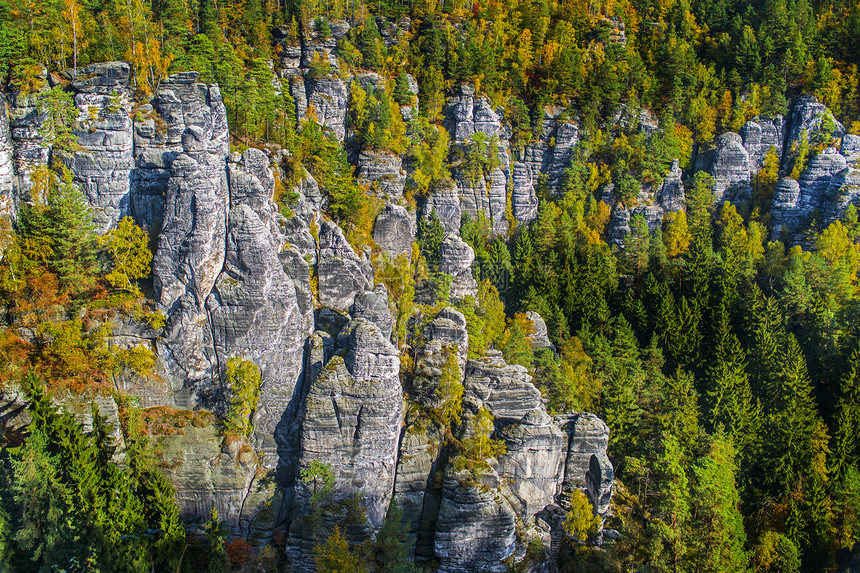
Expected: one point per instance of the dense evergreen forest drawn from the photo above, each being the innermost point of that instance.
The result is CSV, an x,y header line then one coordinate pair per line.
x,y
724,358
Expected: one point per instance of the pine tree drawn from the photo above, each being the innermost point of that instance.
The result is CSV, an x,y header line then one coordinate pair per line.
x,y
392,551
718,529
670,525
731,404
846,424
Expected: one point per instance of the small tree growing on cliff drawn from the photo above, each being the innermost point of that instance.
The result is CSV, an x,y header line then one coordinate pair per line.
x,y
130,255
580,522
481,446
58,116
243,379
320,478
450,389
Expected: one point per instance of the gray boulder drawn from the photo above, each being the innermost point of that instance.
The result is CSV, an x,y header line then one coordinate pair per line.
x,y
476,527
533,462
728,163
524,202
485,196
505,389
539,338
373,306
328,96
341,273
808,115
760,136
351,419
253,307
382,171
444,200
588,437
446,332
393,231
8,192
851,148
455,259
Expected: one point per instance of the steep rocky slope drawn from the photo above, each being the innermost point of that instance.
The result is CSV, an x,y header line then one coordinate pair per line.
x,y
233,276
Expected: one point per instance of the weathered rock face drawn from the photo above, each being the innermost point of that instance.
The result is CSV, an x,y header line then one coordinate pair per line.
x,y
351,419
551,153
342,275
485,196
760,136
505,389
373,306
383,172
671,195
184,117
444,200
103,168
785,207
393,231
8,192
808,115
187,262
533,462
524,202
476,528
416,466
729,164
588,438
468,115
253,306
210,477
843,190
825,185
455,259
539,338
328,96
445,333
851,148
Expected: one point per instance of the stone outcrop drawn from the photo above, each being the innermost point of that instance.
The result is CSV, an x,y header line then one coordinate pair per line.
x,y
552,151
373,306
850,149
729,164
760,136
351,419
826,186
382,172
476,528
588,438
539,339
8,193
444,200
102,168
505,389
394,231
253,306
807,115
342,274
524,202
533,461
455,259
234,273
484,196
445,333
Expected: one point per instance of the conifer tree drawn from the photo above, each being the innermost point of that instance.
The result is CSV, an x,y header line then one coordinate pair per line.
x,y
670,526
718,529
